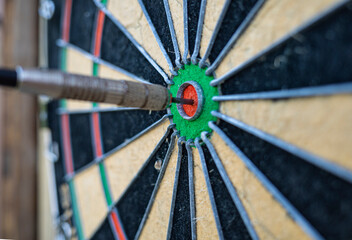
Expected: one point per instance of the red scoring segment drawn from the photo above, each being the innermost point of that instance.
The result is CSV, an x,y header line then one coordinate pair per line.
x,y
190,93
99,32
67,20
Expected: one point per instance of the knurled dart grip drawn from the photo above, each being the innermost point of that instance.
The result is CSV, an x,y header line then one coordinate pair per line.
x,y
72,86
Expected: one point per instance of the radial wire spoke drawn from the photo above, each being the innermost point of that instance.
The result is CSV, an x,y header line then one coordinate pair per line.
x,y
238,16
130,15
320,193
173,34
99,61
332,89
121,141
310,158
185,33
120,121
158,152
175,185
297,50
155,12
161,200
215,33
180,223
133,202
98,109
191,188
157,184
230,188
297,121
193,13
138,60
301,60
237,34
145,178
195,54
210,190
306,226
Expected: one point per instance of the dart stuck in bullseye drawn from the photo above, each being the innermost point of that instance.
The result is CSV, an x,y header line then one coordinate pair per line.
x,y
57,84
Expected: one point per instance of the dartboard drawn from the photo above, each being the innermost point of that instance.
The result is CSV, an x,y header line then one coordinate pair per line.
x,y
265,150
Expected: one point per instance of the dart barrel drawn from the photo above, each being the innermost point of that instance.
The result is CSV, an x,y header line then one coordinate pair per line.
x,y
65,85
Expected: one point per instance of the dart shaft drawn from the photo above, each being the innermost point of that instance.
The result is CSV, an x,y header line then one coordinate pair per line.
x,y
182,101
58,84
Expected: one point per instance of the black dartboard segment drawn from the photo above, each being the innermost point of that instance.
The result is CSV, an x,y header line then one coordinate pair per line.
x,y
82,24
134,202
235,15
125,54
181,219
54,125
104,232
321,197
54,33
317,56
81,140
193,9
156,11
232,225
119,126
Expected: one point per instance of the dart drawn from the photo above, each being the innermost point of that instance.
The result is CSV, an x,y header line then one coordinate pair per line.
x,y
58,84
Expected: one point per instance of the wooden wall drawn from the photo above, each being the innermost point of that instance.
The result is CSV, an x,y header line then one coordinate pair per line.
x,y
18,122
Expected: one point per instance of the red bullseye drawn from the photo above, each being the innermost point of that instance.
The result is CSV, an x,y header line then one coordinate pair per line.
x,y
190,90
190,93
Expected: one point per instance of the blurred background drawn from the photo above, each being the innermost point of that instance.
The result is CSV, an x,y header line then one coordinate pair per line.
x,y
19,173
